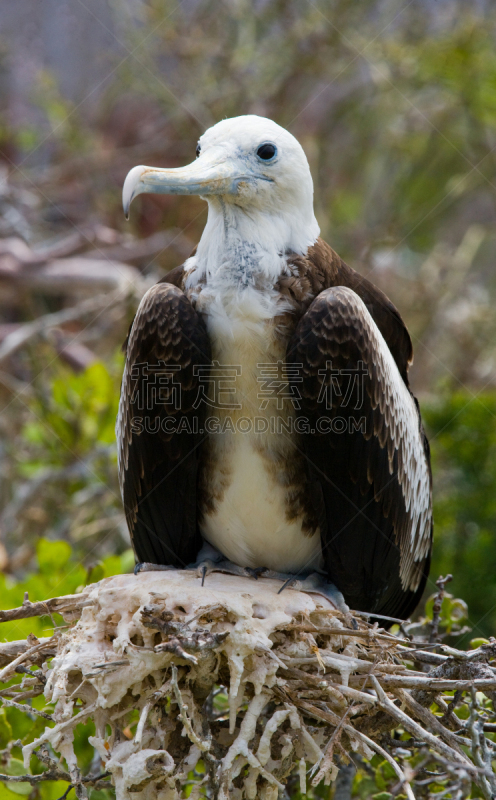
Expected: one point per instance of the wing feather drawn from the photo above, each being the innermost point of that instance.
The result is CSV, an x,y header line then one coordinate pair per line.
x,y
159,431
374,466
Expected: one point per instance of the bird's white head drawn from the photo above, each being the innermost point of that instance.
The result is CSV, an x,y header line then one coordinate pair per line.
x,y
255,177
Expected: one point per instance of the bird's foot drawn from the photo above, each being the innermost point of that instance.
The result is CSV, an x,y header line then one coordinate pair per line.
x,y
313,584
148,566
206,567
211,560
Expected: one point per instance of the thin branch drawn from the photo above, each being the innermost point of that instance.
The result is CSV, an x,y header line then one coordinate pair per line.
x,y
436,609
431,684
7,672
399,772
203,745
55,605
414,728
52,775
26,709
18,338
11,650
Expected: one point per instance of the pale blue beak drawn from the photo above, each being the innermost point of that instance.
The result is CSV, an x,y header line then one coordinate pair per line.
x,y
211,173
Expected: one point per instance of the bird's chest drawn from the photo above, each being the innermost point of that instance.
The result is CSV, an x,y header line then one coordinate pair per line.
x,y
246,347
251,477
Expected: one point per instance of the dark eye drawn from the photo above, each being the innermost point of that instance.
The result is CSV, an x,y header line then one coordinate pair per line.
x,y
198,150
266,151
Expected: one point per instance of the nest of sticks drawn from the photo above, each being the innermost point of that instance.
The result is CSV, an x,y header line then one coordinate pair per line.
x,y
235,690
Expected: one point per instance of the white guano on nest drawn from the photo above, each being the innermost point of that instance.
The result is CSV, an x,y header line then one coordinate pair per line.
x,y
306,686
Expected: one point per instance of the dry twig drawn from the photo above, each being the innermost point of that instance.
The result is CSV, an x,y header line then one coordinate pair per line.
x,y
314,691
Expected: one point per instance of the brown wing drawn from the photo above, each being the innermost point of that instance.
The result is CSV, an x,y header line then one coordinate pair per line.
x,y
366,448
321,268
159,431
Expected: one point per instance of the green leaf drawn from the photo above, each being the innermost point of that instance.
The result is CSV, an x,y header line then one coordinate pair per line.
x,y
16,767
95,573
475,643
52,556
379,778
5,729
37,726
127,561
115,565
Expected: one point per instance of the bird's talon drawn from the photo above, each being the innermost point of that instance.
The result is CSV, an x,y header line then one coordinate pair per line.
x,y
288,583
204,568
257,572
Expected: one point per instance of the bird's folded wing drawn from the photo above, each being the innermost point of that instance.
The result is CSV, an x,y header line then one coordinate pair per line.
x,y
159,429
366,447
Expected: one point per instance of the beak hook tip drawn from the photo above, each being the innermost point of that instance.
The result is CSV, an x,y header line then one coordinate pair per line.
x,y
131,187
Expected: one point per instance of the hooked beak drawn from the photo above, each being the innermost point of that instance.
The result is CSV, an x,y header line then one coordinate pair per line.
x,y
211,173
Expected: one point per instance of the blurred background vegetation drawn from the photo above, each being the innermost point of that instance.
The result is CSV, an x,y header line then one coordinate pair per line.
x,y
395,105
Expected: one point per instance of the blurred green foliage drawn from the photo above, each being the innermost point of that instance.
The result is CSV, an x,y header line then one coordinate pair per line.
x,y
77,414
63,463
462,428
57,572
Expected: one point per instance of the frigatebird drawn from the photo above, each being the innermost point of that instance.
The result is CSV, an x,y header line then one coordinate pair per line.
x,y
266,425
